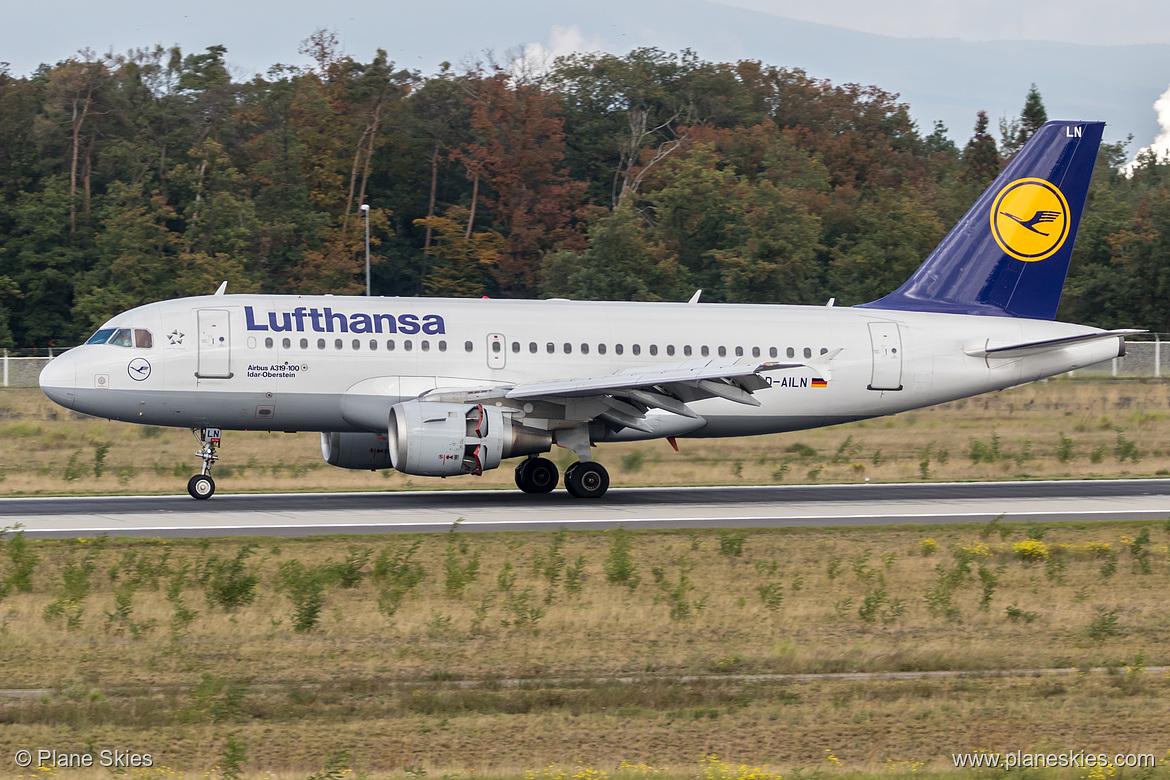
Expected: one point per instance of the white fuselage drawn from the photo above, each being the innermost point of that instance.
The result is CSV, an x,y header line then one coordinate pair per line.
x,y
328,363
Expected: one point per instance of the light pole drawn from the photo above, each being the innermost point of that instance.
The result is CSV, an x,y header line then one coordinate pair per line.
x,y
366,209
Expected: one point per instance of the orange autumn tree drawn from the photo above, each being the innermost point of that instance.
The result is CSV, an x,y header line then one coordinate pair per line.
x,y
516,166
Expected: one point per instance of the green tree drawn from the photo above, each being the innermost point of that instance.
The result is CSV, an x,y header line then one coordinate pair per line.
x,y
622,262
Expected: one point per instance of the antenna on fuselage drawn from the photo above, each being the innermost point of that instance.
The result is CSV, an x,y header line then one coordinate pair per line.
x,y
222,287
695,297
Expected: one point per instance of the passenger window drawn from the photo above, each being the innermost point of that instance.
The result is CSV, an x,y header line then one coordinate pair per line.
x,y
723,352
653,349
338,344
425,346
532,347
687,350
636,349
739,351
568,348
143,339
584,349
442,346
550,348
121,338
618,348
790,352
824,351
390,345
468,346
772,352
496,347
705,350
807,352
357,344
408,345
670,349
600,349
320,343
268,342
304,343
755,351
286,343
373,344
515,346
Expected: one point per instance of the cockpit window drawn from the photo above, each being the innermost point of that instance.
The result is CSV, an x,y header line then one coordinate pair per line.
x,y
101,337
121,338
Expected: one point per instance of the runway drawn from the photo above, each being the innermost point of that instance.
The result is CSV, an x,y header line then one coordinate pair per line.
x,y
300,514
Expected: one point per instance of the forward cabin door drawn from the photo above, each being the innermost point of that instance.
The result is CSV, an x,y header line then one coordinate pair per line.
x,y
886,341
215,345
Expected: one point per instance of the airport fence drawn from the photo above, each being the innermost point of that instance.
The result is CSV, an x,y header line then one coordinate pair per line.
x,y
1148,358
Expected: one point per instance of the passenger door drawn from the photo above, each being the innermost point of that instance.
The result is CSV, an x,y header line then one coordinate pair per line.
x,y
215,345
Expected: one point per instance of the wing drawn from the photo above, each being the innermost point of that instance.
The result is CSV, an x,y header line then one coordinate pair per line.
x,y
1045,216
623,399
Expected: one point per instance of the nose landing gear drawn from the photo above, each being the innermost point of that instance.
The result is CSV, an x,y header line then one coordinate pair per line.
x,y
202,486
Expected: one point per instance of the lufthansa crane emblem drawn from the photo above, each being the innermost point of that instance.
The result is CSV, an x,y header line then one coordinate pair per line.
x,y
139,369
1029,219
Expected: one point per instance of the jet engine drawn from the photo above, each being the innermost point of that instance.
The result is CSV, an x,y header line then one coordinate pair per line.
x,y
443,439
356,450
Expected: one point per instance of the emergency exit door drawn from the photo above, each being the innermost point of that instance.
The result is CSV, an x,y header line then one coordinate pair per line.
x,y
497,353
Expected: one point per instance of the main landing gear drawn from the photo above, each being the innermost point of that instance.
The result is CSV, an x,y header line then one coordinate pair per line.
x,y
583,479
586,479
202,486
537,475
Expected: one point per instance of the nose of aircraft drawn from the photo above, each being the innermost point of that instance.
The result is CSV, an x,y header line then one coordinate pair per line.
x,y
59,380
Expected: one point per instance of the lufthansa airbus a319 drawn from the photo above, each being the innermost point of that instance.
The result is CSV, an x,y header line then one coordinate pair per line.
x,y
443,387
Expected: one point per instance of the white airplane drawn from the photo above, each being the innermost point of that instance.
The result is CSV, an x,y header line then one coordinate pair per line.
x,y
442,387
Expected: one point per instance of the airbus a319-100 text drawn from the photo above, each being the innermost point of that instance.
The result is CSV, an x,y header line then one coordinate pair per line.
x,y
442,387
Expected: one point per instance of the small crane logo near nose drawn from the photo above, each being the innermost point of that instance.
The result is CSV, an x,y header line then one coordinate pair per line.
x,y
139,369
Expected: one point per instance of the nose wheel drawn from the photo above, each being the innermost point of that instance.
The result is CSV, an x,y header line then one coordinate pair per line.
x,y
202,486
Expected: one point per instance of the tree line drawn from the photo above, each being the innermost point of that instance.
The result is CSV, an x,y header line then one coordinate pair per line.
x,y
139,177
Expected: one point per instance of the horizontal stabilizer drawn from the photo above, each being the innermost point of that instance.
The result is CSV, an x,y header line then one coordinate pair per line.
x,y
1027,348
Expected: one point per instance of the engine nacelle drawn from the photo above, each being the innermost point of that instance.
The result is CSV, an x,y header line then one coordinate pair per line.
x,y
442,440
356,450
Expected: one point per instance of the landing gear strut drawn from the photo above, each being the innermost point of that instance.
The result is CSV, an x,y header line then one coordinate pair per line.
x,y
202,486
537,475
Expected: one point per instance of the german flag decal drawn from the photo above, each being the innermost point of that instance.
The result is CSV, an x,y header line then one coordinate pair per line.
x,y
818,382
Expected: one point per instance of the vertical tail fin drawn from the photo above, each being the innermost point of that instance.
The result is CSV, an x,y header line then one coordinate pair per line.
x,y
1009,254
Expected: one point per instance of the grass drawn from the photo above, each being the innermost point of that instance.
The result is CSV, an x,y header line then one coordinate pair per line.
x,y
125,664
1057,429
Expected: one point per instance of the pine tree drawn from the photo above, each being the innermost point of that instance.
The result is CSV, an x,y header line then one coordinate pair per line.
x,y
980,156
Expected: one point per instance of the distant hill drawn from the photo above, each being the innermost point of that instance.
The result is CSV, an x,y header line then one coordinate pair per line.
x,y
941,79
945,79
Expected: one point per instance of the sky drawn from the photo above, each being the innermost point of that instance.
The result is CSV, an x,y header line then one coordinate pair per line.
x,y
420,36
1068,21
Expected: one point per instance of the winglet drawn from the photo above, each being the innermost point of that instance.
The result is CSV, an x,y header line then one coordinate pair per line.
x,y
222,288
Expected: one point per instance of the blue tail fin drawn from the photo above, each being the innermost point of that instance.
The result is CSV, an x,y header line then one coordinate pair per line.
x,y
1009,255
